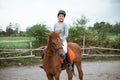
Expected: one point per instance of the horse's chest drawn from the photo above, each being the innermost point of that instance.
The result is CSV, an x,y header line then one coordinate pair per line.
x,y
52,64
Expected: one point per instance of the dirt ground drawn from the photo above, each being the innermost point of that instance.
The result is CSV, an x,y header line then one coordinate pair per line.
x,y
105,70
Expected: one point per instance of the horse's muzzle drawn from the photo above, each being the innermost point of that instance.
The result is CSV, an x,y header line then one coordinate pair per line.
x,y
62,56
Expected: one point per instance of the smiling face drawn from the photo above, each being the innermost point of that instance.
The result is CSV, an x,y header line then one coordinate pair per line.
x,y
61,18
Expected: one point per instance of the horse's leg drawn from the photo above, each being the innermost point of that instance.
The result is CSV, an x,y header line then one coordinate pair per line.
x,y
79,68
57,76
50,77
70,75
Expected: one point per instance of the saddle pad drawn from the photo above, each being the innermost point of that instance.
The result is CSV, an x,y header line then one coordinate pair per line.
x,y
71,55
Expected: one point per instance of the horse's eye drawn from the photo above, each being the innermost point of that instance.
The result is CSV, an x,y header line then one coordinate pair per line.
x,y
53,43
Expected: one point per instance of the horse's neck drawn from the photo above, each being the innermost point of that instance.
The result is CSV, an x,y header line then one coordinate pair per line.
x,y
50,57
49,50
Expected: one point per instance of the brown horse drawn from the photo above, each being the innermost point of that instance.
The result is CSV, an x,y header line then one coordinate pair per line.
x,y
54,53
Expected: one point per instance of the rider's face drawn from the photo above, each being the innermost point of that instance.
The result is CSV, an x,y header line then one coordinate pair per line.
x,y
61,18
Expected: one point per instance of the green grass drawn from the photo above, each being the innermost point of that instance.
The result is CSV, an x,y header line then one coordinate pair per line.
x,y
14,45
113,37
17,45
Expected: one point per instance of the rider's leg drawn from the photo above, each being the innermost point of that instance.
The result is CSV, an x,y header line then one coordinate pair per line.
x,y
68,62
67,58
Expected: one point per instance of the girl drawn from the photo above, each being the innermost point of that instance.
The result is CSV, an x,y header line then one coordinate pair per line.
x,y
61,26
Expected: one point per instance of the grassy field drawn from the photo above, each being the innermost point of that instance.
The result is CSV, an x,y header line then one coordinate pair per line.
x,y
14,45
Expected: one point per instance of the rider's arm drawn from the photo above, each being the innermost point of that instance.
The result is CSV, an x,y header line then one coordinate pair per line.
x,y
65,32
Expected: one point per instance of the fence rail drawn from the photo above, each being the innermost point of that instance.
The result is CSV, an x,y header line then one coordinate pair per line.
x,y
112,49
1,41
17,50
41,48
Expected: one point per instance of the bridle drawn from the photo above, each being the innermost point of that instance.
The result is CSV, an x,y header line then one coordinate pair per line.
x,y
56,50
53,45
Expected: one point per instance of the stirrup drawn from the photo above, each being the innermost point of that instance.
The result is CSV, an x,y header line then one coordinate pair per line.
x,y
70,66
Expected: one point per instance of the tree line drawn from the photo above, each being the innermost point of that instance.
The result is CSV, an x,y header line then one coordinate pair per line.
x,y
100,34
12,30
99,27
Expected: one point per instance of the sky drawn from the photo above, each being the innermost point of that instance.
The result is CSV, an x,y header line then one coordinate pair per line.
x,y
27,13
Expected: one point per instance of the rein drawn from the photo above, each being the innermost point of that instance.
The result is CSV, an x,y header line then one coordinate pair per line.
x,y
55,50
50,54
54,54
52,45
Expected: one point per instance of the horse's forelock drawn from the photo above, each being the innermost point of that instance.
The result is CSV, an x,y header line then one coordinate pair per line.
x,y
54,35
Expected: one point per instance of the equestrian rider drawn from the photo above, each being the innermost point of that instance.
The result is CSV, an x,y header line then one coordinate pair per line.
x,y
61,26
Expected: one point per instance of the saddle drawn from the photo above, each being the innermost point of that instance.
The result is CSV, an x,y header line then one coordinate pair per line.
x,y
71,56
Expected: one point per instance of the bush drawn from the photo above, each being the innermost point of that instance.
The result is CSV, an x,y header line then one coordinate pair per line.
x,y
116,43
39,32
76,35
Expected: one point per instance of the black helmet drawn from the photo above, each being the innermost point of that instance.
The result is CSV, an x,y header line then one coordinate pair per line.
x,y
61,12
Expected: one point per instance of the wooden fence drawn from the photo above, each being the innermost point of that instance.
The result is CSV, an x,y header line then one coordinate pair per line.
x,y
41,48
16,50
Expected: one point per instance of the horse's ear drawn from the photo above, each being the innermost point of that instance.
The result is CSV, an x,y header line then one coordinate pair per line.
x,y
48,34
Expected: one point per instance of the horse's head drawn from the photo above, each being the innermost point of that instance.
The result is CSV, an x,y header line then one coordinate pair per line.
x,y
55,43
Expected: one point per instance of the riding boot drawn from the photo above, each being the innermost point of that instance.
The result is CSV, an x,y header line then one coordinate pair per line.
x,y
68,62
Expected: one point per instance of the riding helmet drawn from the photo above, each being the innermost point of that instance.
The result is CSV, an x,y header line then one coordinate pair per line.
x,y
61,12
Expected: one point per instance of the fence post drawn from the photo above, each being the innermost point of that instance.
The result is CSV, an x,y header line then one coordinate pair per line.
x,y
31,48
83,44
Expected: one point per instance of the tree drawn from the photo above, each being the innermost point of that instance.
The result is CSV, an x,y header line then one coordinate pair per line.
x,y
81,22
78,30
76,34
39,32
9,30
2,33
16,29
116,28
103,27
